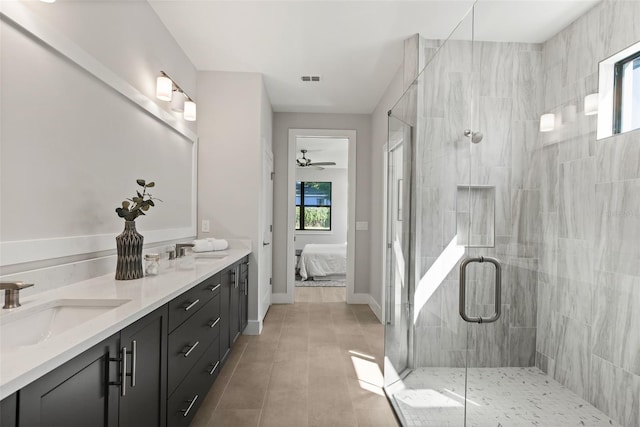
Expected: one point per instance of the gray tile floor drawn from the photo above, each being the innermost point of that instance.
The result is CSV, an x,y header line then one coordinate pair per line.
x,y
317,363
496,397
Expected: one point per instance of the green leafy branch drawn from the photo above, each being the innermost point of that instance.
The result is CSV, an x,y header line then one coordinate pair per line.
x,y
139,204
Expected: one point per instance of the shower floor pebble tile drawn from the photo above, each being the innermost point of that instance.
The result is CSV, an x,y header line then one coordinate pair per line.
x,y
497,397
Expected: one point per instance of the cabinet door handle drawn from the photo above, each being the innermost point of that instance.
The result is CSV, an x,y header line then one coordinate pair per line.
x,y
188,352
122,360
191,403
214,368
190,306
215,288
123,374
134,360
213,324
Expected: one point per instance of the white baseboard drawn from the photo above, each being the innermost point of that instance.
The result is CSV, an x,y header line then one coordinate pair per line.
x,y
254,327
375,307
280,299
358,299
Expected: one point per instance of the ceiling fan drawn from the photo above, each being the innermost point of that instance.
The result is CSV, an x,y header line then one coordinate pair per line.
x,y
304,161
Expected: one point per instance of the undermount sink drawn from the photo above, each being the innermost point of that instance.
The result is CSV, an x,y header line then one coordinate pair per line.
x,y
33,325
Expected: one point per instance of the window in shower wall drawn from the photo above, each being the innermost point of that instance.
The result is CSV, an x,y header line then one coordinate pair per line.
x,y
619,93
627,94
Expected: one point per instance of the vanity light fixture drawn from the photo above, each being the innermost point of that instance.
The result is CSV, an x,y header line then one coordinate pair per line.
x,y
164,87
168,90
190,111
177,101
591,104
547,122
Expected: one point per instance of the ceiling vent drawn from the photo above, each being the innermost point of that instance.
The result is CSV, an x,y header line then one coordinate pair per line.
x,y
310,78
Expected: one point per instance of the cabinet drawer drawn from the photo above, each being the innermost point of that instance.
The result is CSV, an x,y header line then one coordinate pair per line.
x,y
190,340
184,306
184,402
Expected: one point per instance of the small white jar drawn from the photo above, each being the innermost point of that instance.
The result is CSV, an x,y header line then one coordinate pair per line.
x,y
151,264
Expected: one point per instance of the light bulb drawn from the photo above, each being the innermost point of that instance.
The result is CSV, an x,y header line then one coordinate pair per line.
x,y
177,101
547,122
164,87
190,111
591,104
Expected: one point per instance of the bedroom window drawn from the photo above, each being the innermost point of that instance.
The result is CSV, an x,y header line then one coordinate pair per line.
x,y
313,205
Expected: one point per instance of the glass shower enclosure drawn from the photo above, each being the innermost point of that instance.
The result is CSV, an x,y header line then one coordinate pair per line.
x,y
474,241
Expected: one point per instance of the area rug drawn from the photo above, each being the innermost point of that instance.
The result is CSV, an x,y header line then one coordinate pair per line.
x,y
323,283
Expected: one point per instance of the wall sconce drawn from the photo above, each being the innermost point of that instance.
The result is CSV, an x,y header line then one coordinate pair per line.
x,y
547,122
591,104
168,90
190,111
177,101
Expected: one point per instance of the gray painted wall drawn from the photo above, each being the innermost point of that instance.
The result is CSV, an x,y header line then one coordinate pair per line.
x,y
361,123
91,137
234,121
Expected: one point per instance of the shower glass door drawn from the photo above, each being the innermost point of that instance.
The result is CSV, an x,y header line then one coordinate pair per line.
x,y
397,328
439,228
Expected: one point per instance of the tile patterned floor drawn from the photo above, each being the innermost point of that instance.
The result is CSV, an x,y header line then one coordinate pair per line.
x,y
497,397
317,363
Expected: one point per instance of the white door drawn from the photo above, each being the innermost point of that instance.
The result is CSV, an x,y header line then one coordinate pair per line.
x,y
267,232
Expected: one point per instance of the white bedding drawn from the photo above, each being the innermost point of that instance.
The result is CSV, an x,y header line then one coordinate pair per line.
x,y
318,260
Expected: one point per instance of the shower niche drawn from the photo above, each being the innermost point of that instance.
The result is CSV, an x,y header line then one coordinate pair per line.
x,y
475,216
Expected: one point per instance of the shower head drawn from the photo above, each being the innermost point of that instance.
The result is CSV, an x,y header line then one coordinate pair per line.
x,y
476,137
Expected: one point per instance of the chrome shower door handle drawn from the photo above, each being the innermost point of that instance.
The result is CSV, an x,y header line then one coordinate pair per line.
x,y
498,290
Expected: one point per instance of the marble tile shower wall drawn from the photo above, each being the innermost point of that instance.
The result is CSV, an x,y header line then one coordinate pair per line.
x,y
588,309
501,97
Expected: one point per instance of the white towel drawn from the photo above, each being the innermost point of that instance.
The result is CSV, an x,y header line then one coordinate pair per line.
x,y
220,244
208,245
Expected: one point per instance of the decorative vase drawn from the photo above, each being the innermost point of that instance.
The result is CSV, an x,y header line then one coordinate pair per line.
x,y
129,245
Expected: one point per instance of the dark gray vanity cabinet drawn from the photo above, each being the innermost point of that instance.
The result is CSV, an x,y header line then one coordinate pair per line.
x,y
9,411
239,300
244,293
234,304
193,350
119,382
144,343
155,372
77,393
227,280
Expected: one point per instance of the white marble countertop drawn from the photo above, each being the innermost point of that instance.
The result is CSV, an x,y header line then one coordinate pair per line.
x,y
20,366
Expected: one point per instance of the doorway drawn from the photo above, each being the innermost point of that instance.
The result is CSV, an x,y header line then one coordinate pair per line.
x,y
328,178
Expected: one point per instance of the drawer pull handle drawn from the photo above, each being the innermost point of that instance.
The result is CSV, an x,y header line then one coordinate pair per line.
x,y
215,288
191,403
214,368
188,352
213,324
190,306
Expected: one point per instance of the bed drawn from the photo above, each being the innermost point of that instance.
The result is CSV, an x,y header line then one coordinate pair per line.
x,y
323,261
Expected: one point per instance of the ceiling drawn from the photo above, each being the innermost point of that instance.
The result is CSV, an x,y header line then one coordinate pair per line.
x,y
354,46
325,150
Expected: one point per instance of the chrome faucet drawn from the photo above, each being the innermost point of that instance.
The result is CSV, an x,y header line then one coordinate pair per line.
x,y
180,248
12,293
